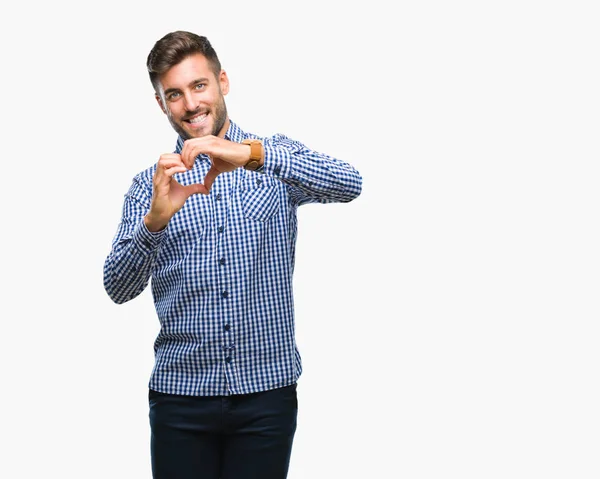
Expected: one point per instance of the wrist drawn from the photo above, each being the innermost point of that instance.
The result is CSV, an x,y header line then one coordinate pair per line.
x,y
256,154
154,225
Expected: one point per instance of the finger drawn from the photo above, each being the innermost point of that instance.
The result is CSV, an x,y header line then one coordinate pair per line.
x,y
196,188
169,163
210,177
169,157
194,146
190,154
175,169
163,176
185,154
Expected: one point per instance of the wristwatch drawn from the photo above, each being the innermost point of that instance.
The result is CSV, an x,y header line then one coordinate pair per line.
x,y
256,154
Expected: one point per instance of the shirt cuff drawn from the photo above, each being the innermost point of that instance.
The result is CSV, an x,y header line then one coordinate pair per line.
x,y
147,241
277,162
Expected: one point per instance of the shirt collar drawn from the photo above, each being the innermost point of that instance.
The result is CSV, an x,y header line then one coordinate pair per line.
x,y
234,133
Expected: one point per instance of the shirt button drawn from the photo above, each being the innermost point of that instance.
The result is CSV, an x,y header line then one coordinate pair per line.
x,y
227,359
259,181
220,229
277,170
227,327
219,196
225,294
222,261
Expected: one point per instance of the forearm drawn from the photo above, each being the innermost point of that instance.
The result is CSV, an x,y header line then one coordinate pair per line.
x,y
316,176
129,265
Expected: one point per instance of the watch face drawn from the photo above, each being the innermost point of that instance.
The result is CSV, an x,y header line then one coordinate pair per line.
x,y
251,165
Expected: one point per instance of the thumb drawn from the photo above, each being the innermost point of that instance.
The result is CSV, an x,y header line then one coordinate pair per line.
x,y
210,177
196,188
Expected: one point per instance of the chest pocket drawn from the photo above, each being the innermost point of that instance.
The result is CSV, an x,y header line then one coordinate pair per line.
x,y
260,197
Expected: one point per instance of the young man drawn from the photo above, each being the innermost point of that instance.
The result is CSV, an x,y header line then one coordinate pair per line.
x,y
214,225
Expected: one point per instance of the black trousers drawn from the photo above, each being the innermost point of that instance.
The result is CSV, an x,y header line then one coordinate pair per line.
x,y
246,436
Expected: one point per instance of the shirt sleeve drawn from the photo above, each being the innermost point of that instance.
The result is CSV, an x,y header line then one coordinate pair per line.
x,y
312,177
129,265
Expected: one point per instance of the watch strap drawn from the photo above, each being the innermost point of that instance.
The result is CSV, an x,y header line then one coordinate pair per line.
x,y
256,154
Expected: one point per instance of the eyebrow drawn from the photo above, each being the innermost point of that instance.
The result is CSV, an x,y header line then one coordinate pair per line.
x,y
192,83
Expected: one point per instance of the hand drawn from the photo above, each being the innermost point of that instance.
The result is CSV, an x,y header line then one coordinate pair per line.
x,y
225,155
168,196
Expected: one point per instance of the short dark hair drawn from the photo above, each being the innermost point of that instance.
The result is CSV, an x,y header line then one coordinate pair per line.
x,y
175,47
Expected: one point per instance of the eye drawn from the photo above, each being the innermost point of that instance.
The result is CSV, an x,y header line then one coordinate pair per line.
x,y
173,96
200,86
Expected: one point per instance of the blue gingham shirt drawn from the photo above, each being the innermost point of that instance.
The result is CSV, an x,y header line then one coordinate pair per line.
x,y
222,268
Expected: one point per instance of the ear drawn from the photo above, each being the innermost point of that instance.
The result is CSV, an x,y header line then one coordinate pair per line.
x,y
160,103
224,82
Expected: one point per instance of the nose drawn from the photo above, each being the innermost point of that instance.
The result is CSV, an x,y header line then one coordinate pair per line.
x,y
190,104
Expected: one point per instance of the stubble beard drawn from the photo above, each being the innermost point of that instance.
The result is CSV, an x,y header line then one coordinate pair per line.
x,y
219,114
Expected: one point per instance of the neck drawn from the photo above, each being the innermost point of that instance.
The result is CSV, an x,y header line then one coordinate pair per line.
x,y
221,134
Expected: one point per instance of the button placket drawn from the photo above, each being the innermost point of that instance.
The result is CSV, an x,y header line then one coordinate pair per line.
x,y
220,203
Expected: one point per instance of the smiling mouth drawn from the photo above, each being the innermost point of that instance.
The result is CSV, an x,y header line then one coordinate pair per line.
x,y
197,120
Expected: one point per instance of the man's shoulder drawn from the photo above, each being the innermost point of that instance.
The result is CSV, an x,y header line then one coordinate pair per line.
x,y
147,174
144,177
276,139
235,133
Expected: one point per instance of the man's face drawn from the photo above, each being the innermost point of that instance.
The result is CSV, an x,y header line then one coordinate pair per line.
x,y
192,98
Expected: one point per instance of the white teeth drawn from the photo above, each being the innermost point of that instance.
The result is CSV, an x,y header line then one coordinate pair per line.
x,y
198,119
